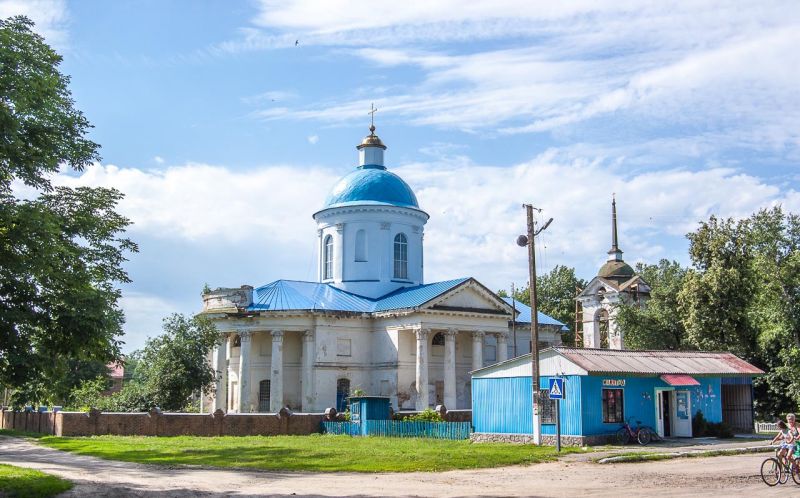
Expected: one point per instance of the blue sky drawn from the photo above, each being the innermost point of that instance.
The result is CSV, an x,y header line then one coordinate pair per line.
x,y
225,136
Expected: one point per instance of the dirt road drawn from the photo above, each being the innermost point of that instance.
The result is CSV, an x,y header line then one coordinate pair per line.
x,y
696,477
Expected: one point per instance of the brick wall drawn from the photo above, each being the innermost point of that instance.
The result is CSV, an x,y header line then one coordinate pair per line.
x,y
155,423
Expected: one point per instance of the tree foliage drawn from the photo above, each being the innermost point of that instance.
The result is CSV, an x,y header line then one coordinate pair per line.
x,y
555,292
61,249
656,325
170,369
741,295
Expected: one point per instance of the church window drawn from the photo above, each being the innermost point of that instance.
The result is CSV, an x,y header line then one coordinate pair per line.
x,y
237,342
342,392
438,340
361,245
400,256
263,396
490,353
327,258
602,327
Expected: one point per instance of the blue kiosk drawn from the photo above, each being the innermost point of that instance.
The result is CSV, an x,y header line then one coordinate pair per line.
x,y
603,388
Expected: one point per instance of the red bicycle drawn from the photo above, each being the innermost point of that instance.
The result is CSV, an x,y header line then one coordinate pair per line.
x,y
640,433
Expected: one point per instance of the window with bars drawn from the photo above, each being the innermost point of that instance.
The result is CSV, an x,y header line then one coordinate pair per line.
x,y
613,404
263,396
547,407
400,256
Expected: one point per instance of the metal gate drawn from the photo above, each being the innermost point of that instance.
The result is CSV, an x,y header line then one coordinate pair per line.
x,y
737,407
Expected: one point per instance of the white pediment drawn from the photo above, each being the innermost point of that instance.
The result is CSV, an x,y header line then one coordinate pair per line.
x,y
597,286
470,296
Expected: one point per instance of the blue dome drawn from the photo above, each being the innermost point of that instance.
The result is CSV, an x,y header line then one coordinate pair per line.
x,y
372,185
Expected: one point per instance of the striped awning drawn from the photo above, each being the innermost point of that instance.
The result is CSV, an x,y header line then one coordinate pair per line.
x,y
679,380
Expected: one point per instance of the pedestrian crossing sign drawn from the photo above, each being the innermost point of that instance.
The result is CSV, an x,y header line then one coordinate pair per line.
x,y
556,388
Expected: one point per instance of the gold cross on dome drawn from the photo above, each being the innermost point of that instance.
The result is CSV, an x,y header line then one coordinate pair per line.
x,y
372,112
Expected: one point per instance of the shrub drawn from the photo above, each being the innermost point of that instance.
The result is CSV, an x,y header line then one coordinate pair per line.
x,y
427,415
702,427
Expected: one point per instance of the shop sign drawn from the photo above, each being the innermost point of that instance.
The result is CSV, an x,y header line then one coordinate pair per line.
x,y
613,382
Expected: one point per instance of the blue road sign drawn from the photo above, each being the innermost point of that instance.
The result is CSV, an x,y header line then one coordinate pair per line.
x,y
557,388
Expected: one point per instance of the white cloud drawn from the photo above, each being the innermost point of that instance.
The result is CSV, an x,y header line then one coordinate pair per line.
x,y
158,159
475,210
723,70
143,317
313,139
50,17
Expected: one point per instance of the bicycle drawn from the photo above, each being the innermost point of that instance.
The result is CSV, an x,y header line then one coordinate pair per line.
x,y
626,433
774,471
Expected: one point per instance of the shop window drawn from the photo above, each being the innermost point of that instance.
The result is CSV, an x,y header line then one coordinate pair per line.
x,y
613,412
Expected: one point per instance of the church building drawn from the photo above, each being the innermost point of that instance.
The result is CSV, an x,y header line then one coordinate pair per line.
x,y
370,322
615,283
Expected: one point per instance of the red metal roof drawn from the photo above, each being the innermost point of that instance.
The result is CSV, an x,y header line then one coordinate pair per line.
x,y
680,380
658,362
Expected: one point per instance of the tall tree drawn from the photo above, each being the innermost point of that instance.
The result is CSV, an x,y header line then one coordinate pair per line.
x,y
555,292
657,325
61,249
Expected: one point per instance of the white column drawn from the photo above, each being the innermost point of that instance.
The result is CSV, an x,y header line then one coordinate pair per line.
x,y
244,372
422,368
309,352
338,254
450,399
220,370
477,349
276,373
502,347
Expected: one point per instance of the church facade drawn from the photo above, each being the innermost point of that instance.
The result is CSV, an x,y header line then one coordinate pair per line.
x,y
369,322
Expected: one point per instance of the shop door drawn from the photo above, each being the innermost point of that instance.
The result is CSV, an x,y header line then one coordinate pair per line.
x,y
682,419
660,396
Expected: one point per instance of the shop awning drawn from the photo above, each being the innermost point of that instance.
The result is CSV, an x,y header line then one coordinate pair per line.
x,y
679,380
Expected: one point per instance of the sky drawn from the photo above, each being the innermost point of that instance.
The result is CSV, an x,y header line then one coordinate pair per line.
x,y
225,124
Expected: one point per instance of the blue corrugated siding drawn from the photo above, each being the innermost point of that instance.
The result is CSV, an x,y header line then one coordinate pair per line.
x,y
707,397
571,423
640,401
502,405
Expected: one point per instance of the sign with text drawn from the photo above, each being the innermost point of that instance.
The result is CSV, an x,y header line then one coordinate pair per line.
x,y
613,382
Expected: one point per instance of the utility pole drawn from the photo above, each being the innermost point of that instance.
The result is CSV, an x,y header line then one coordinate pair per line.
x,y
514,320
523,241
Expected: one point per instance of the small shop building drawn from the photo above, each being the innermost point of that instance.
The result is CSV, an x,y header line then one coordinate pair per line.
x,y
603,388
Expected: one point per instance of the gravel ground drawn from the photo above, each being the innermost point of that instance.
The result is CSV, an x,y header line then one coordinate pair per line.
x,y
572,477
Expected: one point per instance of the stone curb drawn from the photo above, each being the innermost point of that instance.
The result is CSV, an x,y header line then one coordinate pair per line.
x,y
684,454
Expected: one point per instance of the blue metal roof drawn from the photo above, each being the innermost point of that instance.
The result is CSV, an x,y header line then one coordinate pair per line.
x,y
371,185
288,295
525,314
410,297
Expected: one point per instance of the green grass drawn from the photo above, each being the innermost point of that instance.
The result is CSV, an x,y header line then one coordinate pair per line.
x,y
308,453
16,481
644,456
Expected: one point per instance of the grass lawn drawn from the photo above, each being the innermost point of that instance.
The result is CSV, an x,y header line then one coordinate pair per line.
x,y
311,453
16,481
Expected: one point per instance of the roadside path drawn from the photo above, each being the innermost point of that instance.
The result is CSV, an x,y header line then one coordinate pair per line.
x,y
696,477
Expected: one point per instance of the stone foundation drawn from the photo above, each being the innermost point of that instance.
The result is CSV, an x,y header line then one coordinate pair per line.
x,y
547,439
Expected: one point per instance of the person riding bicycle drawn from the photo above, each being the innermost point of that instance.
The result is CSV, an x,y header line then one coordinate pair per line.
x,y
787,438
794,430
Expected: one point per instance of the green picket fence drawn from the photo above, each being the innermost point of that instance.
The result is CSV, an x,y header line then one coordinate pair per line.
x,y
397,428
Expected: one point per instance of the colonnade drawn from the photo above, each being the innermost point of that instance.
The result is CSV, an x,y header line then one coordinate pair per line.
x,y
423,336
276,398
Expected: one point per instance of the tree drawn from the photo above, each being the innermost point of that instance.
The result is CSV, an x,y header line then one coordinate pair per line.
x,y
657,325
170,369
555,292
61,249
743,295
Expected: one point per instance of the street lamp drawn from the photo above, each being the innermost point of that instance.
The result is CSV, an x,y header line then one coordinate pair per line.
x,y
522,241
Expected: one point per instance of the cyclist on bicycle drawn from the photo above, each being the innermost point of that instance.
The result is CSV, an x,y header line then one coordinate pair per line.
x,y
794,430
787,439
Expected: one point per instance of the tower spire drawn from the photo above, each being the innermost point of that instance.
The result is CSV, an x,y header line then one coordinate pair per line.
x,y
614,254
